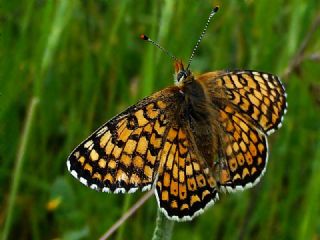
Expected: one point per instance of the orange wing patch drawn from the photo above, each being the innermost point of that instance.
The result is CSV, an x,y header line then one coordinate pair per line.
x,y
122,155
245,155
259,96
184,186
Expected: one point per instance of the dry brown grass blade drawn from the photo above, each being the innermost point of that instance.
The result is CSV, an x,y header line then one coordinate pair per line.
x,y
128,214
300,55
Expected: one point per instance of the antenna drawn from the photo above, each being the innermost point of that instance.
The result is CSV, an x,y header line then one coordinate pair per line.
x,y
213,12
146,38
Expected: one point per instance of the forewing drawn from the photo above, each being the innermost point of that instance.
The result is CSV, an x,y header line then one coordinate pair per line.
x,y
260,97
244,154
184,187
122,155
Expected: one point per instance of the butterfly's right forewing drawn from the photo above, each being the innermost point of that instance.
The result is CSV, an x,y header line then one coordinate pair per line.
x,y
123,154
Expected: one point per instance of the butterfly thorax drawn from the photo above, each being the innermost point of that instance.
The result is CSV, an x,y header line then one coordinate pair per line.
x,y
196,100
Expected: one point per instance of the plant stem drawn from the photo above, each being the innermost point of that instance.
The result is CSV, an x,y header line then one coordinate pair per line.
x,y
128,214
18,166
164,227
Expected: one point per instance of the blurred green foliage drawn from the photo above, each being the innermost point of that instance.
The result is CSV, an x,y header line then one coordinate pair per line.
x,y
83,62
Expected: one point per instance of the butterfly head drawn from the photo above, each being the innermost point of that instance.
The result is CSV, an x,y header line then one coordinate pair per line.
x,y
181,74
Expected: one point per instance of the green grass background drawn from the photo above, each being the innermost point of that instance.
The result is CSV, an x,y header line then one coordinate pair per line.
x,y
66,67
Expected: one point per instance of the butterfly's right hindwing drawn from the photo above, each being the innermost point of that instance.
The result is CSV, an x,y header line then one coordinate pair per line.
x,y
185,186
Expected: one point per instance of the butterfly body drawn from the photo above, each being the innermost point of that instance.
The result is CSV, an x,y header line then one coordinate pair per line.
x,y
190,141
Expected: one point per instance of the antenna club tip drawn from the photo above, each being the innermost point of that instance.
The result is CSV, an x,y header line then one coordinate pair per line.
x,y
144,37
216,8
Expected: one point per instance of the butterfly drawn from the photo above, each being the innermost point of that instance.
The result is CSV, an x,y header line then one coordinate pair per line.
x,y
205,135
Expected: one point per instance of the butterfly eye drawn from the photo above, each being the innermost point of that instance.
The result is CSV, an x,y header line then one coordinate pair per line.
x,y
181,75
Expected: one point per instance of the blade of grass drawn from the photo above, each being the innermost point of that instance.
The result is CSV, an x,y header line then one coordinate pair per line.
x,y
311,207
18,166
164,227
131,211
57,27
126,206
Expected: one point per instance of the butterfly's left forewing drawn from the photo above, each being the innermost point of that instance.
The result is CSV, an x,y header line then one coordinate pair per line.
x,y
260,97
122,155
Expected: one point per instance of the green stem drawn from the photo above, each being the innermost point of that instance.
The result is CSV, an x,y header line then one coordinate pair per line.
x,y
18,166
164,227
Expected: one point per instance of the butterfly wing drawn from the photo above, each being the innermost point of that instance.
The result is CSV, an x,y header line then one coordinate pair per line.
x,y
122,155
250,106
185,186
144,144
148,142
258,96
245,153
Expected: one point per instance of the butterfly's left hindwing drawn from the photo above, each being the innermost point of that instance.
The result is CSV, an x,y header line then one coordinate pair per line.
x,y
245,152
122,155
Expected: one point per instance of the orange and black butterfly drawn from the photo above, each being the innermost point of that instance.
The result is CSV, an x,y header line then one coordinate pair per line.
x,y
206,134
